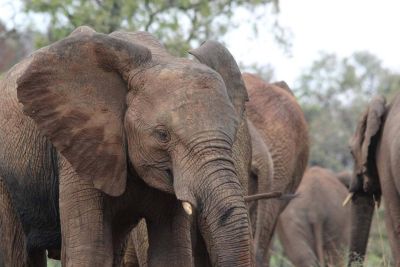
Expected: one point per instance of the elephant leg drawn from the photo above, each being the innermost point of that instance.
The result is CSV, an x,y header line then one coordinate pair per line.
x,y
392,219
335,255
141,243
267,214
297,247
319,242
12,237
130,258
137,246
262,172
270,210
391,236
170,238
86,237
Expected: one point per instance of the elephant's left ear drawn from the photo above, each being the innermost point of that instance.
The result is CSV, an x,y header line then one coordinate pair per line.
x,y
217,57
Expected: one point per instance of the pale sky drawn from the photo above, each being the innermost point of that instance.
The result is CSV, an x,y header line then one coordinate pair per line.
x,y
338,26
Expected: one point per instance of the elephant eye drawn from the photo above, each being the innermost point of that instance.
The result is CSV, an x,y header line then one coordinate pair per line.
x,y
162,134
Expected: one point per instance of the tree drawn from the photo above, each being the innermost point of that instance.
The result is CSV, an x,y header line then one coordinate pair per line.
x,y
333,92
179,24
13,47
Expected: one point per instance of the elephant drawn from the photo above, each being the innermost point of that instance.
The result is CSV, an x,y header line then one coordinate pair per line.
x,y
135,253
279,139
345,178
273,114
314,228
10,230
375,148
99,131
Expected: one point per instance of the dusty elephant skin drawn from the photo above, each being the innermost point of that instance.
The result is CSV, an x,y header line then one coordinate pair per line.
x,y
110,129
135,253
314,228
279,121
375,147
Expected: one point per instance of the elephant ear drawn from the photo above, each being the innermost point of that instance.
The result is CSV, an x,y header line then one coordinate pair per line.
x,y
284,86
365,140
376,109
217,57
75,92
143,38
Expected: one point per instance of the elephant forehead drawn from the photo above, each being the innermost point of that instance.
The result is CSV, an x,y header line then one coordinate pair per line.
x,y
204,113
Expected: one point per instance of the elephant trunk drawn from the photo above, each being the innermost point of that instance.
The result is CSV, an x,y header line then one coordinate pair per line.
x,y
362,209
224,222
219,206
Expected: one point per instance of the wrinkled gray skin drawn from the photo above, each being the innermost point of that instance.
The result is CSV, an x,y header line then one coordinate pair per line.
x,y
135,254
314,228
262,172
375,147
98,131
280,123
279,156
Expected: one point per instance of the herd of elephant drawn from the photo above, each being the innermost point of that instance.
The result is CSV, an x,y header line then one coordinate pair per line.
x,y
113,152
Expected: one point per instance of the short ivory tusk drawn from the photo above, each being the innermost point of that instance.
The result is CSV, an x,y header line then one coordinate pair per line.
x,y
187,207
263,196
347,199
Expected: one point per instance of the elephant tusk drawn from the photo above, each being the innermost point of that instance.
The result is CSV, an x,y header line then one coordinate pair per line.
x,y
187,207
347,199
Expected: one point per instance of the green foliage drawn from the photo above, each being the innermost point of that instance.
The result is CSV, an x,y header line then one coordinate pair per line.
x,y
177,23
266,72
53,263
333,92
11,48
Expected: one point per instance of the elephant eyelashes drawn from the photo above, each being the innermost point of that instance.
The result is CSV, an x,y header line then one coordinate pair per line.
x,y
162,135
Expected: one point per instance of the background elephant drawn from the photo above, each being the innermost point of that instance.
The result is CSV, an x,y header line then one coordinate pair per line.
x,y
110,129
314,228
278,119
375,147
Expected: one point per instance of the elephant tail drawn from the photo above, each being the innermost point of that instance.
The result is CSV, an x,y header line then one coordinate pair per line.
x,y
319,242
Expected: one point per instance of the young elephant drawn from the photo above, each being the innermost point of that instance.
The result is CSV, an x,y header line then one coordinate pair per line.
x,y
375,147
314,228
98,131
289,166
278,119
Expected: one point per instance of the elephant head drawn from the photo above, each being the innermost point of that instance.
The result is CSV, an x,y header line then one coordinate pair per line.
x,y
364,187
108,102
